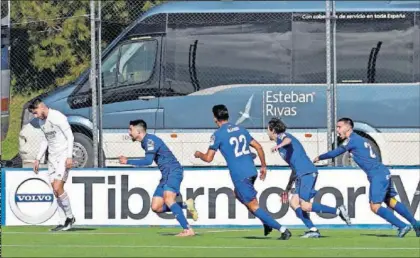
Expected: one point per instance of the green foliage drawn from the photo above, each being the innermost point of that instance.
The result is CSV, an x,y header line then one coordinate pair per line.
x,y
51,39
50,46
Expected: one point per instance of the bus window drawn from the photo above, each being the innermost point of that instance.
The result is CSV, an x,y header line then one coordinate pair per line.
x,y
309,48
375,50
212,49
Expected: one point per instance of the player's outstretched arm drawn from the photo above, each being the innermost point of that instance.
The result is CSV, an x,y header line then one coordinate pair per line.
x,y
292,179
286,141
42,148
260,151
146,161
206,157
331,154
64,126
261,155
285,194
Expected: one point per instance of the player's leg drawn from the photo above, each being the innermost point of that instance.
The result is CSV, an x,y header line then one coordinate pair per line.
x,y
307,192
267,229
171,190
63,199
300,203
61,213
158,204
170,201
304,216
377,193
247,194
401,208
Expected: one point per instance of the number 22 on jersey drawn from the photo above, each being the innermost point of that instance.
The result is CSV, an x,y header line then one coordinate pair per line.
x,y
236,142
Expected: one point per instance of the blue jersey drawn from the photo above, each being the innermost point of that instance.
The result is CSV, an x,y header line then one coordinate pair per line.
x,y
362,153
156,150
233,142
295,155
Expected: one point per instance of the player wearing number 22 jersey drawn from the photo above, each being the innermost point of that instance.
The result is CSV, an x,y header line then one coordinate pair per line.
x,y
234,143
381,189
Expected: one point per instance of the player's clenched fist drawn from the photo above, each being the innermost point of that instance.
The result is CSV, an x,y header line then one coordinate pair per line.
x,y
197,154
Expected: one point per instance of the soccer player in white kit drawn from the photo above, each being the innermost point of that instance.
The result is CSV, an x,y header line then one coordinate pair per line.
x,y
58,138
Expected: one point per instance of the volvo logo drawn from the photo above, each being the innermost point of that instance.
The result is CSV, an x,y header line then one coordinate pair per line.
x,y
32,201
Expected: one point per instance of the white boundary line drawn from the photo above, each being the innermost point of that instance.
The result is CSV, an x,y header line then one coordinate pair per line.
x,y
83,232
212,247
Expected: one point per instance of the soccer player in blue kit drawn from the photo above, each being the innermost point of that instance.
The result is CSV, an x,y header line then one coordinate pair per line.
x,y
164,198
305,173
234,142
381,188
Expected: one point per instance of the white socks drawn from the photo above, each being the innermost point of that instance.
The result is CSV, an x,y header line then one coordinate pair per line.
x,y
63,202
282,229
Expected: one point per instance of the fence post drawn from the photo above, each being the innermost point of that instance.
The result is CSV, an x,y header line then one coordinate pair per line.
x,y
334,61
328,66
100,109
93,83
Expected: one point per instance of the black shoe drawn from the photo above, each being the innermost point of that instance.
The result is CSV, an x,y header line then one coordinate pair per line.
x,y
69,224
417,229
57,228
286,235
267,230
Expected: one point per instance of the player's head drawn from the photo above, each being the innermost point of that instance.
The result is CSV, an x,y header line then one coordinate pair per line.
x,y
38,109
344,127
137,130
221,114
275,127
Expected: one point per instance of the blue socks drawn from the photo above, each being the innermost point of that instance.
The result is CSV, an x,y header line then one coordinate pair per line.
x,y
320,208
390,217
304,216
179,215
266,219
165,207
403,211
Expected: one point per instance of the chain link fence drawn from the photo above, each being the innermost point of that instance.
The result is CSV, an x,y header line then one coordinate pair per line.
x,y
170,69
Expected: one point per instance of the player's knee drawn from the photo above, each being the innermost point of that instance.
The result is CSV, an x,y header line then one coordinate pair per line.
x,y
156,207
169,199
58,190
253,205
374,207
306,206
294,202
391,202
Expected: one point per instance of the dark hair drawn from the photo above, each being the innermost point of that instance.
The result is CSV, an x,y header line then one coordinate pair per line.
x,y
347,120
221,113
139,122
34,104
277,125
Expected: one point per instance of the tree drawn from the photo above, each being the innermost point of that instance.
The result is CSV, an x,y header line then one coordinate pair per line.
x,y
51,39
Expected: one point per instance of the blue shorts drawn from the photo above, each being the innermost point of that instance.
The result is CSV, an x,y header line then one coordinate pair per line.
x,y
169,182
244,190
381,189
305,186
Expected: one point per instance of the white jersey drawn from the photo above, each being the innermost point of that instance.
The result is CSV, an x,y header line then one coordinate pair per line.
x,y
58,136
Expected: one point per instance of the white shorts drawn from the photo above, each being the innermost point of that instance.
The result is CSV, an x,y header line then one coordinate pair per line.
x,y
57,169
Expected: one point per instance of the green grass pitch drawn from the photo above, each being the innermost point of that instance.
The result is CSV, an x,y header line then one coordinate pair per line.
x,y
154,241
